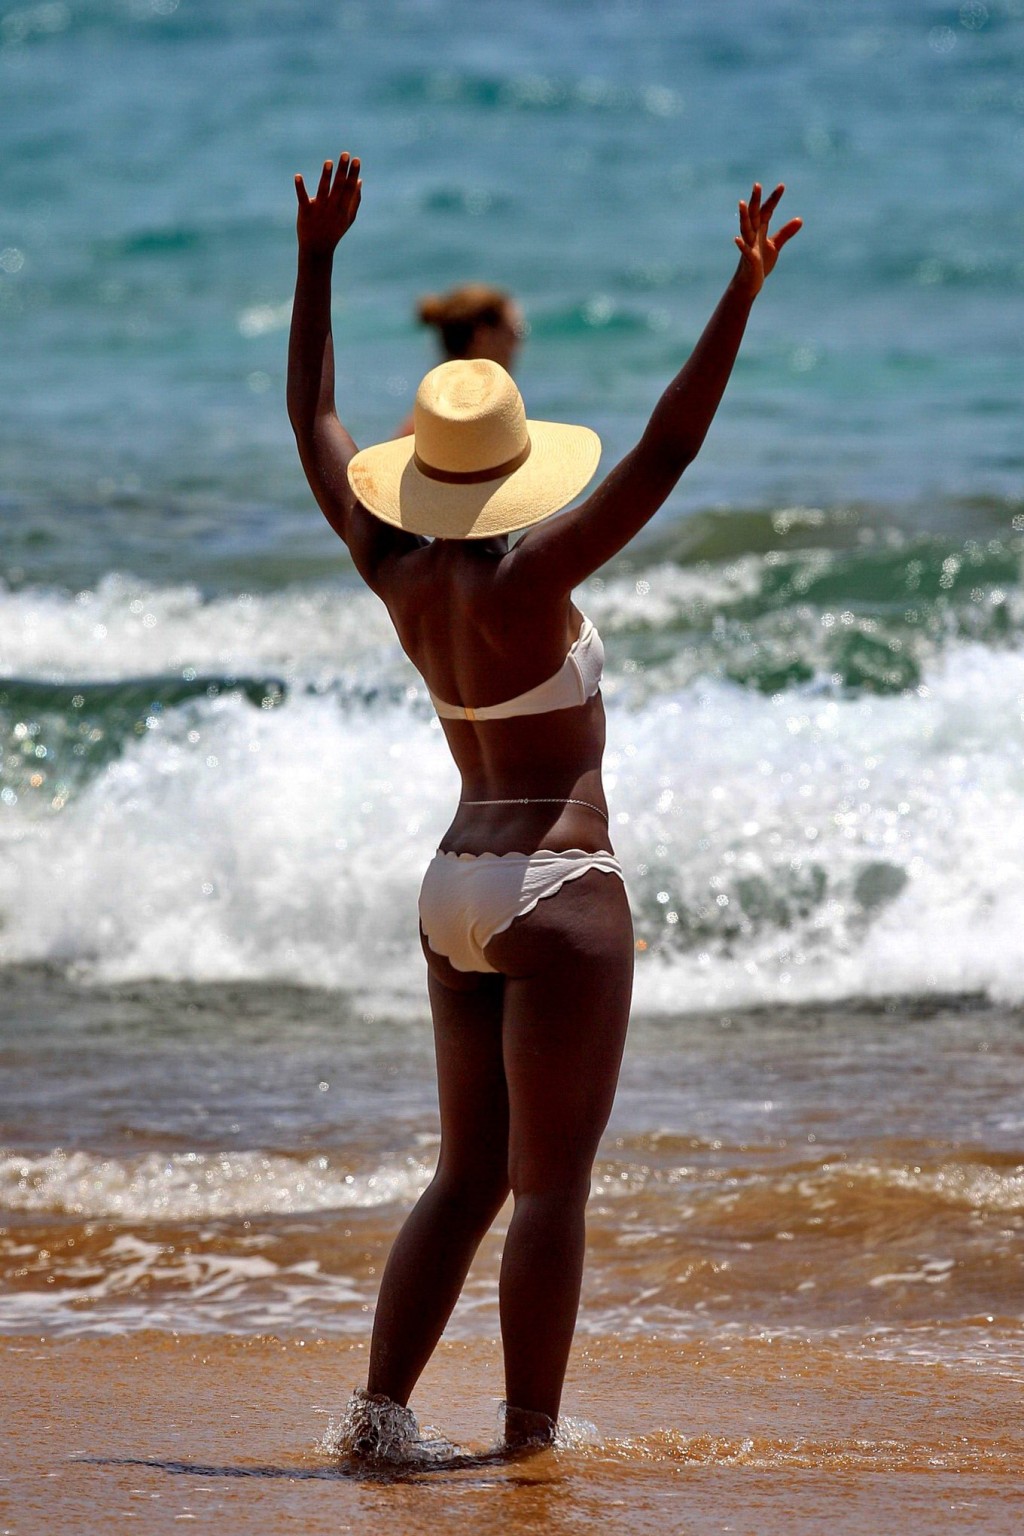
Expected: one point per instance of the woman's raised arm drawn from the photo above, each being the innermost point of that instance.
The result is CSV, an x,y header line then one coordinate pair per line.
x,y
566,549
325,447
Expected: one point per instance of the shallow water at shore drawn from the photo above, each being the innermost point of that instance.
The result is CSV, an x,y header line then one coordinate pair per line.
x,y
778,1439
240,1158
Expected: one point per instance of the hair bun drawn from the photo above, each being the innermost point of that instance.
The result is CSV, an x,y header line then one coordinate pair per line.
x,y
430,309
469,304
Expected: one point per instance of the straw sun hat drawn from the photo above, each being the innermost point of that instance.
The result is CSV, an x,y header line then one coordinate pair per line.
x,y
474,466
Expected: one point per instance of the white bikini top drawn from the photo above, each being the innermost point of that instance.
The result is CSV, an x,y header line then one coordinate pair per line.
x,y
577,680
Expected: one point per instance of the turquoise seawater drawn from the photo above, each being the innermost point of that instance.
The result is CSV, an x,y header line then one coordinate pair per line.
x,y
589,156
816,659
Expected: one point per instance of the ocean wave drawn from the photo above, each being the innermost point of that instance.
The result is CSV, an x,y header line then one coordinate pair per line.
x,y
262,1240
125,627
249,787
196,1186
742,597
853,1195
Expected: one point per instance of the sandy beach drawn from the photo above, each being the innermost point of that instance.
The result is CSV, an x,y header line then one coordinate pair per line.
x,y
758,1438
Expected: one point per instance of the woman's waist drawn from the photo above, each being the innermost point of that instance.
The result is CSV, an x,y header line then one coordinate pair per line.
x,y
530,777
526,824
541,755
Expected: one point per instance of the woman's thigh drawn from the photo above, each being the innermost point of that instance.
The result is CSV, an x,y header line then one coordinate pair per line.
x,y
568,969
472,1094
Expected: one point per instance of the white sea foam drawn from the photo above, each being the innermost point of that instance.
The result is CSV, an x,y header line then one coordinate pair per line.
x,y
886,833
125,628
196,1186
802,846
662,595
140,1282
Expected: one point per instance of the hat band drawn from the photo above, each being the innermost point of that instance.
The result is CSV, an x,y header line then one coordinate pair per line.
x,y
471,476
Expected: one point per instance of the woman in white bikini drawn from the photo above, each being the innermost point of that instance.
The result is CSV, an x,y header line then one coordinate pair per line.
x,y
530,996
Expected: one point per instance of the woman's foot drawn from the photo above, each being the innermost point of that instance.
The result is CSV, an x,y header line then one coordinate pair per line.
x,y
373,1428
526,1429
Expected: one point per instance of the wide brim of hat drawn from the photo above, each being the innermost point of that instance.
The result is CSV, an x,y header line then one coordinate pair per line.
x,y
389,484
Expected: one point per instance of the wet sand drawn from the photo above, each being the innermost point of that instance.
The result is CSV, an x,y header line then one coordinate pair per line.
x,y
759,1437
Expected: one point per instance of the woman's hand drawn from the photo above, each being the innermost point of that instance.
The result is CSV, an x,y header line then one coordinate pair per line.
x,y
759,251
325,218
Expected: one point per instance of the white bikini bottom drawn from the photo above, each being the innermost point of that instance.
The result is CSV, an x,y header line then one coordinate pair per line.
x,y
466,898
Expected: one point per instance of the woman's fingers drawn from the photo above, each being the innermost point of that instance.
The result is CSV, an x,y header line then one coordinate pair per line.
x,y
786,233
348,168
772,203
346,182
324,218
758,248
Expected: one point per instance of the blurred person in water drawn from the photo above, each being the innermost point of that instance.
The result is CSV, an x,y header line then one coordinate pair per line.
x,y
524,920
472,321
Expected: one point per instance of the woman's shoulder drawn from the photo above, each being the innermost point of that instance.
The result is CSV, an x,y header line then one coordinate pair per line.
x,y
463,620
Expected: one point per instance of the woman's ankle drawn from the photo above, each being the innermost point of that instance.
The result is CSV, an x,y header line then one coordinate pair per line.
x,y
526,1427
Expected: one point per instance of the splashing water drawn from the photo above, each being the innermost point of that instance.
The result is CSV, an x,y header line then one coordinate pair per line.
x,y
372,1428
576,1434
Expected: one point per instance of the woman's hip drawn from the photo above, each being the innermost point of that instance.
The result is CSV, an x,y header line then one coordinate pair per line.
x,y
475,908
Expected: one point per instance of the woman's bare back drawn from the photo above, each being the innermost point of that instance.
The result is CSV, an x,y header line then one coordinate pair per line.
x,y
475,636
